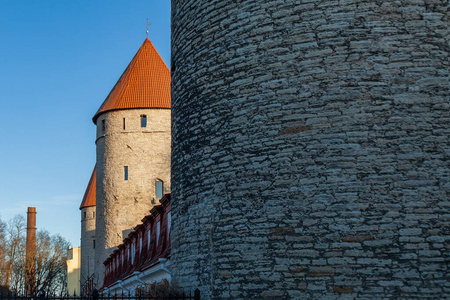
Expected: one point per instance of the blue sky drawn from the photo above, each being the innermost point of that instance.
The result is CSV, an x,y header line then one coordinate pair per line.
x,y
59,59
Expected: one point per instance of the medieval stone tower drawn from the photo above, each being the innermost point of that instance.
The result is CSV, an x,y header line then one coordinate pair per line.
x,y
133,152
87,208
311,153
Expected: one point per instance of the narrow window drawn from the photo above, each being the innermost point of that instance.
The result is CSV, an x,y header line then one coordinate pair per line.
x,y
123,123
159,189
126,173
103,125
140,245
93,214
93,244
84,215
148,239
143,121
169,221
157,233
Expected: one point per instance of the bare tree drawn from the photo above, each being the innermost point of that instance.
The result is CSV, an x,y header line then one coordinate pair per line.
x,y
3,263
50,264
15,243
51,267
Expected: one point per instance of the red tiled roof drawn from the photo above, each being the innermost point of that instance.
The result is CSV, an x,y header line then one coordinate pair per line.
x,y
145,83
89,195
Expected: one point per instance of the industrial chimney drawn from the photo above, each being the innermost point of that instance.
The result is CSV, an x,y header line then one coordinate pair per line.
x,y
30,266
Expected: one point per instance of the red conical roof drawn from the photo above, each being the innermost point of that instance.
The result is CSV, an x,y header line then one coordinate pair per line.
x,y
145,83
89,195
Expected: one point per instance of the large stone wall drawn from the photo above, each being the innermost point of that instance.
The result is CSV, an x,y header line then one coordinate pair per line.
x,y
121,204
311,153
87,243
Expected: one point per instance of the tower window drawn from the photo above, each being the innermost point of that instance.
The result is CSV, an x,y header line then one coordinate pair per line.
x,y
84,215
93,244
126,172
169,222
103,125
159,189
157,232
143,121
123,123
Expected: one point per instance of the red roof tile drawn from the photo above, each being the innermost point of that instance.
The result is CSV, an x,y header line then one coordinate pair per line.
x,y
145,83
89,195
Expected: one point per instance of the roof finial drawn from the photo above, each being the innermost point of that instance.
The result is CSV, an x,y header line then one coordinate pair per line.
x,y
148,23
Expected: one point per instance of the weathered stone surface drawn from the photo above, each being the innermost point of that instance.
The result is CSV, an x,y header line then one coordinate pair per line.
x,y
87,242
121,204
311,142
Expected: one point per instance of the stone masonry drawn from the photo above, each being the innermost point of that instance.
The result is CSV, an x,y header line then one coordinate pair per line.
x,y
87,242
121,204
310,149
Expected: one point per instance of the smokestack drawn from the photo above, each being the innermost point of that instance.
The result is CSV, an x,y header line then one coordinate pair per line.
x,y
30,266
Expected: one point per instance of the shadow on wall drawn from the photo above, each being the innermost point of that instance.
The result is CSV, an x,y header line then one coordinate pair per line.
x,y
126,232
90,233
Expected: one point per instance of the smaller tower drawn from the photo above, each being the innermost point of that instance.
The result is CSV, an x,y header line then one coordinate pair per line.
x,y
30,264
87,208
133,150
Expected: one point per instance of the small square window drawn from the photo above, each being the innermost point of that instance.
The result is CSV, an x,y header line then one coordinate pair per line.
x,y
126,172
159,189
143,121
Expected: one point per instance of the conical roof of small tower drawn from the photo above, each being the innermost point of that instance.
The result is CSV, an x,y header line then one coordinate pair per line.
x,y
89,195
145,83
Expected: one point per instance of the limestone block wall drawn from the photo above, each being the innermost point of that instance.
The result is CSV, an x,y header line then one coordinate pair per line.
x,y
87,251
121,204
311,153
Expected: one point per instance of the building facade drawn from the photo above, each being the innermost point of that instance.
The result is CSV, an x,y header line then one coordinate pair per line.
x,y
310,149
133,158
73,270
141,262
